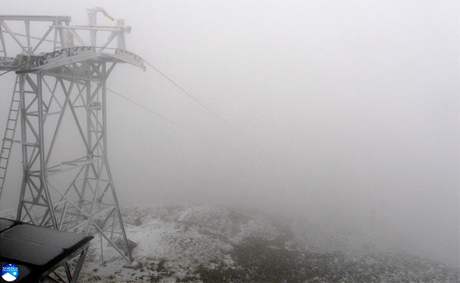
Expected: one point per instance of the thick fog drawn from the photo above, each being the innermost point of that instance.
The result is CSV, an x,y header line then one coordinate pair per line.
x,y
342,114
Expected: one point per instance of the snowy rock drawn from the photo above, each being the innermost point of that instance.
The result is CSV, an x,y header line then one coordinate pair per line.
x,y
215,244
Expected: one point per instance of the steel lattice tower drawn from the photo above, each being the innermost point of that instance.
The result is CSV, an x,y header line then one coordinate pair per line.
x,y
61,78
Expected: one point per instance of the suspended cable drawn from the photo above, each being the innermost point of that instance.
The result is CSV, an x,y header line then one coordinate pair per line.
x,y
156,114
187,93
161,73
6,72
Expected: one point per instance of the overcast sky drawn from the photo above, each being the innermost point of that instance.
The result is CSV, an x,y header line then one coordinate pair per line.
x,y
333,109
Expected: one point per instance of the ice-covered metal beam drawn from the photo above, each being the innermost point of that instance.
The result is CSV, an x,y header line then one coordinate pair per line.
x,y
35,18
67,56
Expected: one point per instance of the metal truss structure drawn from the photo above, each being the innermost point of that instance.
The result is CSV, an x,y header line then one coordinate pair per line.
x,y
61,79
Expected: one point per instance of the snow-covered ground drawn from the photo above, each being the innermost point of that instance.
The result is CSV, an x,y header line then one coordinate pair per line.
x,y
173,241
215,244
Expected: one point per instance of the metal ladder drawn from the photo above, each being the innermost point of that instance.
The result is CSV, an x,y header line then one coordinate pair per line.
x,y
8,135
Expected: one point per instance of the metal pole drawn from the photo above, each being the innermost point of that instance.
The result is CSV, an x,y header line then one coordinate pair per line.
x,y
41,143
25,169
106,161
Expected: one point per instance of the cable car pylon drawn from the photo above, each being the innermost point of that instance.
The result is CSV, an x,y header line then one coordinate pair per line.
x,y
61,78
